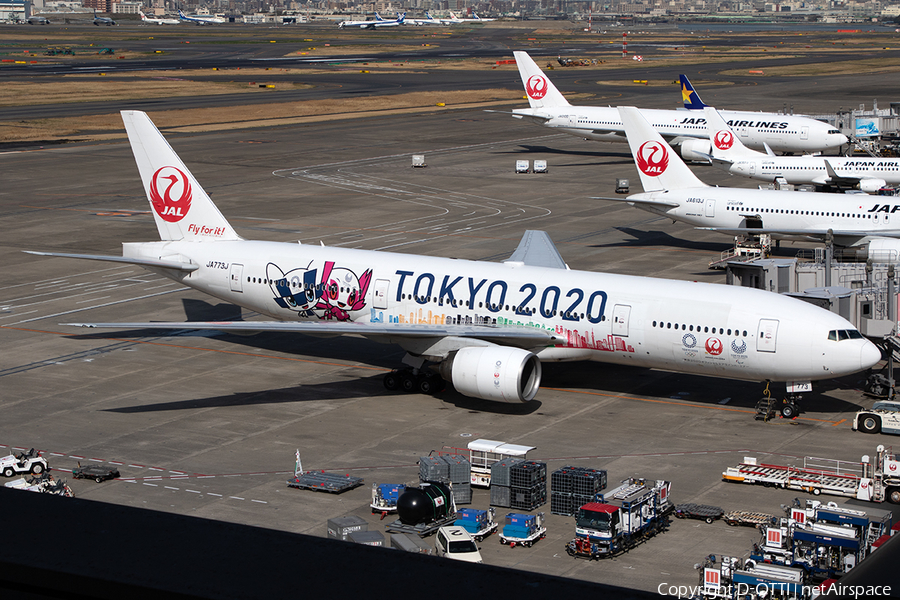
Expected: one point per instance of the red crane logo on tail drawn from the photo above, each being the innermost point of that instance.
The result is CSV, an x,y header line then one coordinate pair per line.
x,y
652,158
536,87
723,139
175,201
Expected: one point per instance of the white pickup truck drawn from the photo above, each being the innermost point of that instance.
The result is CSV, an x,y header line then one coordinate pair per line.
x,y
24,462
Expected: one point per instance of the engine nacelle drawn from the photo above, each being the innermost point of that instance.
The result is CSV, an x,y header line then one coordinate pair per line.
x,y
696,150
497,373
871,186
884,250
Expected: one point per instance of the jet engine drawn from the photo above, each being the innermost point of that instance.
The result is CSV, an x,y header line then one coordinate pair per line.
x,y
883,250
497,373
871,186
696,150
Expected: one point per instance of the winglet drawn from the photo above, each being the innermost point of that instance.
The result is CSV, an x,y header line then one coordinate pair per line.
x,y
537,250
689,95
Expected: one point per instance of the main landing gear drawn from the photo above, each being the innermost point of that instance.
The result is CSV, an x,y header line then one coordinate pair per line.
x,y
414,381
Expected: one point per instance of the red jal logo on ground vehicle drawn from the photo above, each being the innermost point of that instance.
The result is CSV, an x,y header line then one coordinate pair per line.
x,y
174,183
536,87
714,346
652,158
723,139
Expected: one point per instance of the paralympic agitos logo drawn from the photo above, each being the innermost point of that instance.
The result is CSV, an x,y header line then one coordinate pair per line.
x,y
173,203
652,158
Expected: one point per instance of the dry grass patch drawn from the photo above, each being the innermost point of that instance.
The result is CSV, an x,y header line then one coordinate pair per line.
x,y
207,119
850,67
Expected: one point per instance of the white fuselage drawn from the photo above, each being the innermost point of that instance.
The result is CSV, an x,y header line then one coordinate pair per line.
x,y
811,169
783,133
691,327
776,209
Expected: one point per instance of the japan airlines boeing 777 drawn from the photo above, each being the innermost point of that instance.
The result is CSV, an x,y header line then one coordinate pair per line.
x,y
783,133
484,326
157,21
672,190
729,153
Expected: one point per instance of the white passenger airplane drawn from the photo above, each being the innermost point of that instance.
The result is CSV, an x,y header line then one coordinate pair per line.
x,y
783,133
157,21
672,190
484,326
201,19
378,23
729,153
429,20
476,18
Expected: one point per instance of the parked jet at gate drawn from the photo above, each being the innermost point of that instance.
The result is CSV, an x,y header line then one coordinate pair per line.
x,y
729,153
201,19
156,21
103,20
672,190
484,326
783,133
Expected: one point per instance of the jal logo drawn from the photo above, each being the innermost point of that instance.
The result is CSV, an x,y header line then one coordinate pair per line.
x,y
170,194
714,346
723,139
652,158
536,87
893,467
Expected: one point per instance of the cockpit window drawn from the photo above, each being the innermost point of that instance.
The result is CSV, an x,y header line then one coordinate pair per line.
x,y
833,131
836,335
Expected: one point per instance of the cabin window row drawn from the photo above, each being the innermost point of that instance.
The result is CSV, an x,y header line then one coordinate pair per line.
x,y
698,328
814,213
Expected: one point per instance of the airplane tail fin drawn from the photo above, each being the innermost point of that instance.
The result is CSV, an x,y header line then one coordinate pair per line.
x,y
659,167
539,89
689,95
181,209
724,143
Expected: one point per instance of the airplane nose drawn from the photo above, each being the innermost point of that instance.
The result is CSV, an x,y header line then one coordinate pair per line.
x,y
869,355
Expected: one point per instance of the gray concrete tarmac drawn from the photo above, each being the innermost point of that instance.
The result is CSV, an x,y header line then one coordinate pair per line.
x,y
207,425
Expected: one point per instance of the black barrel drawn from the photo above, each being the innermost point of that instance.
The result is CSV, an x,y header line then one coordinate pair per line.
x,y
429,502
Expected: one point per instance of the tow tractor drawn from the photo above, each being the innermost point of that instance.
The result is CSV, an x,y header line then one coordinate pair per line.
x,y
479,523
24,462
871,480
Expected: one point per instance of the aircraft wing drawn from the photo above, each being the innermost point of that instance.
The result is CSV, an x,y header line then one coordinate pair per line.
x,y
536,249
833,177
523,337
143,262
644,201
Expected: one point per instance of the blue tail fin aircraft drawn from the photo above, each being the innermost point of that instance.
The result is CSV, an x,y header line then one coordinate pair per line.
x,y
689,95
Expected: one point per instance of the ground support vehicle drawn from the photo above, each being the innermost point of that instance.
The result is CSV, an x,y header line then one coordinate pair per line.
x,y
745,517
883,417
96,472
320,481
734,578
484,453
871,480
479,523
44,484
704,512
622,518
24,462
385,496
456,543
523,166
523,530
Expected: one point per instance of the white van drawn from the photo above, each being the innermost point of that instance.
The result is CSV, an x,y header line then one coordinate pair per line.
x,y
455,542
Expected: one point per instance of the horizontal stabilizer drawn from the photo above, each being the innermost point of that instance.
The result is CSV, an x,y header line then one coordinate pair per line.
x,y
537,250
525,337
635,200
142,262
